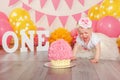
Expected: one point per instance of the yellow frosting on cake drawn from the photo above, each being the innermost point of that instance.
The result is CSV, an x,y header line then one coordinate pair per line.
x,y
60,63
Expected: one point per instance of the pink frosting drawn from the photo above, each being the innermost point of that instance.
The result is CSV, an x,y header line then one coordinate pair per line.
x,y
59,50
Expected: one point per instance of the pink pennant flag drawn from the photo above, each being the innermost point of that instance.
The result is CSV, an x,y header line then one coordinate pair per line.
x,y
26,7
77,16
42,3
55,3
63,19
86,12
12,2
69,3
50,19
29,1
82,2
100,2
38,15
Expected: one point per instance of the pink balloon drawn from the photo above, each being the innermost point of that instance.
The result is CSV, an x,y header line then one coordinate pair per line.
x,y
4,27
94,25
3,16
109,26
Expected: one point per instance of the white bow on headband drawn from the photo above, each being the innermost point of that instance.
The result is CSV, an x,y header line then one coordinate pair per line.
x,y
85,22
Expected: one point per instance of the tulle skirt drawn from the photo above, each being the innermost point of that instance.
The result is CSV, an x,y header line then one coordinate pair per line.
x,y
109,49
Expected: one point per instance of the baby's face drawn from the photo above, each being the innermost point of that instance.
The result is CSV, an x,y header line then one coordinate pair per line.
x,y
85,34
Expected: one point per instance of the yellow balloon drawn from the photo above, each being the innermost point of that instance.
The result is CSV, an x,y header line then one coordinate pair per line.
x,y
118,10
102,10
20,20
18,14
109,7
118,14
93,13
25,25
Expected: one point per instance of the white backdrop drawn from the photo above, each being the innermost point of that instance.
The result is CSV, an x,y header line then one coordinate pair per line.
x,y
62,10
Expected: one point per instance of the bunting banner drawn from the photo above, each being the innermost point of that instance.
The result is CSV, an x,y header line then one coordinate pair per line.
x,y
50,19
69,3
38,14
63,19
12,2
42,3
55,3
82,2
86,12
26,7
77,16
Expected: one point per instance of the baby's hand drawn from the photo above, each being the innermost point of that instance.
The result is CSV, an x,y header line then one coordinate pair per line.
x,y
94,60
73,58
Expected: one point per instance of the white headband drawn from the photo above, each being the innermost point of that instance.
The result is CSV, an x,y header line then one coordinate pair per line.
x,y
85,22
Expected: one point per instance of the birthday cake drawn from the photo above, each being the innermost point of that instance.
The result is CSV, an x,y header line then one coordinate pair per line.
x,y
60,53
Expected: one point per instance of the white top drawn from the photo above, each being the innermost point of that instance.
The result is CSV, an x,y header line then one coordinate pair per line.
x,y
92,42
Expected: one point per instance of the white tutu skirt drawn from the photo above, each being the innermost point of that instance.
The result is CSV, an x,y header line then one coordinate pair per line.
x,y
109,49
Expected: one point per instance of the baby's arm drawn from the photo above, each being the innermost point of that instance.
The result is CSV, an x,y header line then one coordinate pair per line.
x,y
75,50
97,55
